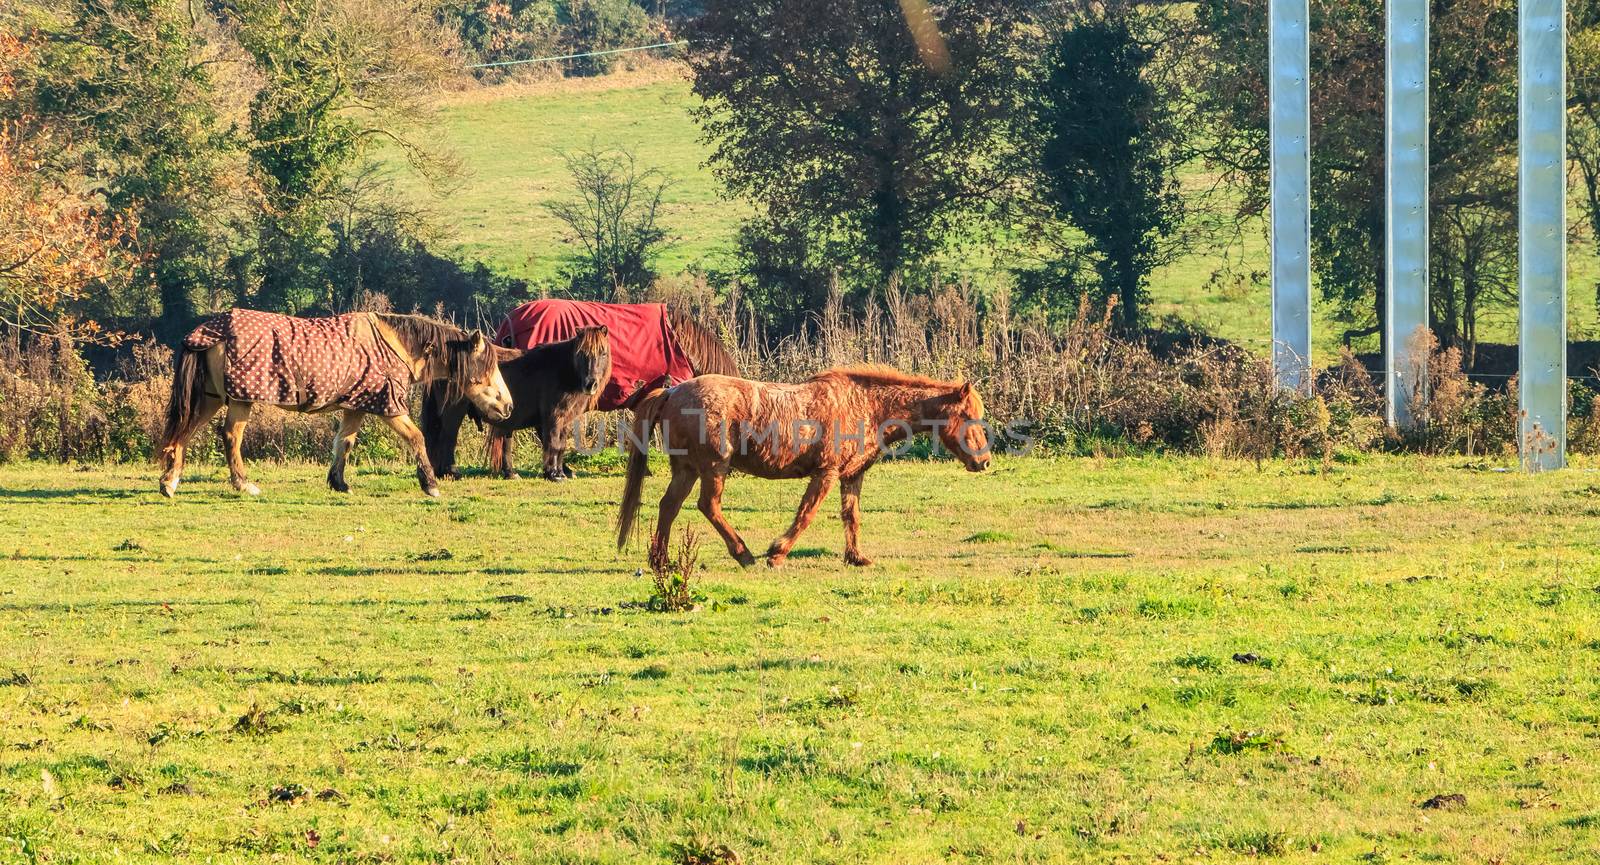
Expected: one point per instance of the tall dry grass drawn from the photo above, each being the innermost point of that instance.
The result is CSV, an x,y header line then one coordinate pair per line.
x,y
1077,388
1082,388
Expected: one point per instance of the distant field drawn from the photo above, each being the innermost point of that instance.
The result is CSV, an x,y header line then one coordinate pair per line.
x,y
509,140
1041,668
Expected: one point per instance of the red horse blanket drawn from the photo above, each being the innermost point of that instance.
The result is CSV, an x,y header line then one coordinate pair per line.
x,y
644,352
309,363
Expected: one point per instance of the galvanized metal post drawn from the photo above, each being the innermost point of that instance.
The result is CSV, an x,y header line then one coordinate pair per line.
x,y
1289,88
1405,362
1542,246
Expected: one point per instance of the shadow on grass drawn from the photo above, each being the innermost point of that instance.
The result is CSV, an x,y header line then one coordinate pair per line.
x,y
77,493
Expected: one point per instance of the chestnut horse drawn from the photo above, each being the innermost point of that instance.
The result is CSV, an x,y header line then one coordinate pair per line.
x,y
360,363
832,427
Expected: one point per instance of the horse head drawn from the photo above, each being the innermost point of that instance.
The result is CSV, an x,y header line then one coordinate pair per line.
x,y
958,415
591,359
473,371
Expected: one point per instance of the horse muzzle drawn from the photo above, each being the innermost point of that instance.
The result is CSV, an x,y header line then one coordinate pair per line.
x,y
499,412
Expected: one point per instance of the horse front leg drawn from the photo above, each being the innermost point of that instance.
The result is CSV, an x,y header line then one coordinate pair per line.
x,y
567,427
850,514
349,425
552,441
820,484
408,433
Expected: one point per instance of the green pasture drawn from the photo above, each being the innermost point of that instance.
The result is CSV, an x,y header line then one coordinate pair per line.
x,y
509,142
1040,668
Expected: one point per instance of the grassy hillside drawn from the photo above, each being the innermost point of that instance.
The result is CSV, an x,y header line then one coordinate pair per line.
x,y
1040,668
510,139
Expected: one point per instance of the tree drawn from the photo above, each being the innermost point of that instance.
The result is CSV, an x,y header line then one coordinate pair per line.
x,y
844,120
56,242
1106,148
614,221
337,76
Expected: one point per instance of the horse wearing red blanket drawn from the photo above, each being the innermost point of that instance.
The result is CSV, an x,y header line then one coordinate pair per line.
x,y
650,346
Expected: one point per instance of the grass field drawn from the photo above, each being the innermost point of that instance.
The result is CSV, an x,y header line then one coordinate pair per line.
x,y
1041,668
510,140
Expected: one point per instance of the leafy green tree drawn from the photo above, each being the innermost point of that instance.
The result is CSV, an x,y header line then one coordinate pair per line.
x,y
1106,148
876,135
336,77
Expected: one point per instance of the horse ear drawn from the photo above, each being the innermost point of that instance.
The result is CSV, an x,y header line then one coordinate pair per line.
x,y
966,390
478,342
605,331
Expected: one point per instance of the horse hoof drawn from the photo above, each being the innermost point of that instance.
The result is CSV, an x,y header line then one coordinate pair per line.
x,y
777,560
249,489
511,476
169,490
568,471
431,492
451,476
555,477
745,559
857,560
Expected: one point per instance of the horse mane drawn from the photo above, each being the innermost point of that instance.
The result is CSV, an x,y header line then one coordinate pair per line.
x,y
588,339
462,367
884,376
707,354
421,330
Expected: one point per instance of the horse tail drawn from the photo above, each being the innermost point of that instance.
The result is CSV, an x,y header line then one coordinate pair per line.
x,y
707,353
645,415
188,392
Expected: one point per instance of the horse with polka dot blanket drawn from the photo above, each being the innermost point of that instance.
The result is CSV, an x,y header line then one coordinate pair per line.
x,y
358,364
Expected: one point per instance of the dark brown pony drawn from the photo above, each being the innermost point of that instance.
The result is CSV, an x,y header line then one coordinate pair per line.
x,y
392,352
442,417
832,427
551,386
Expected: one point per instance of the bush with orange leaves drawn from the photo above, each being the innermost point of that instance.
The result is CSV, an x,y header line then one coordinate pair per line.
x,y
56,241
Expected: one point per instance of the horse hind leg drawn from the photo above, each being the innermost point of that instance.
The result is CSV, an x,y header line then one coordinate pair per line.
x,y
232,440
683,478
711,505
499,441
172,455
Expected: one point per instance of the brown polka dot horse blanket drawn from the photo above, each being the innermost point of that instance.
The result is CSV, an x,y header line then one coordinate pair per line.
x,y
312,364
645,353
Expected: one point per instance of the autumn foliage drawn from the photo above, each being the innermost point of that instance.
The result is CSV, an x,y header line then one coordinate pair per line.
x,y
56,242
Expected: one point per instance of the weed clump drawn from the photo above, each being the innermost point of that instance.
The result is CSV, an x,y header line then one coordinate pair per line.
x,y
673,574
